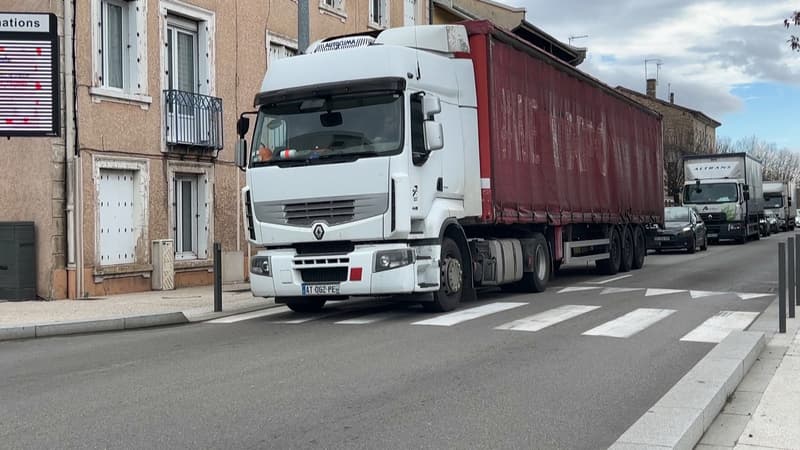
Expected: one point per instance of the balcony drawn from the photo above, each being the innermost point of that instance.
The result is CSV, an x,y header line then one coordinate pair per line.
x,y
193,121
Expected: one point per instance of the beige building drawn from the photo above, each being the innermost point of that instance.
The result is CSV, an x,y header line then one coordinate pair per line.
x,y
686,132
150,91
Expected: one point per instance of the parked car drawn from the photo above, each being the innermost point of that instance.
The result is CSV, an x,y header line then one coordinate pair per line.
x,y
683,229
773,223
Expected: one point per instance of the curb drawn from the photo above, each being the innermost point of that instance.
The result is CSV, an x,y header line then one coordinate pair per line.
x,y
91,326
116,324
679,419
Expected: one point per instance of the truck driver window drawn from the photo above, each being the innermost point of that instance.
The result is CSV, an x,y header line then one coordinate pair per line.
x,y
418,153
331,129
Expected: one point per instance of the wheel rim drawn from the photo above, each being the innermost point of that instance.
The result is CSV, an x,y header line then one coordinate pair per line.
x,y
452,274
541,263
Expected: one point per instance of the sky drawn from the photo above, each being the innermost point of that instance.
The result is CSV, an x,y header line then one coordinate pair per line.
x,y
726,58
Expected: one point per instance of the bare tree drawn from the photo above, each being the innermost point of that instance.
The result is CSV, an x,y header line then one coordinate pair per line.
x,y
794,19
779,164
677,144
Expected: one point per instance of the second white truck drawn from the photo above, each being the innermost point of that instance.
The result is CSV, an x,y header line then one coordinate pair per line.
x,y
778,199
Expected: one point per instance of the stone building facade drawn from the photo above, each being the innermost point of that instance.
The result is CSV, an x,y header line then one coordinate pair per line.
x,y
150,93
686,132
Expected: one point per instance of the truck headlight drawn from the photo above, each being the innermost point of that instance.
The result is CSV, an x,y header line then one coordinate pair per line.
x,y
392,259
260,265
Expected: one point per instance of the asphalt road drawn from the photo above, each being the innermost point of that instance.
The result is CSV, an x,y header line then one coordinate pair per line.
x,y
390,383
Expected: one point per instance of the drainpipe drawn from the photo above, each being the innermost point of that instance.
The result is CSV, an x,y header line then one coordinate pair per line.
x,y
70,153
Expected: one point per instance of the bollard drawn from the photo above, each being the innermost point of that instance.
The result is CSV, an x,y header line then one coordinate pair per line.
x,y
797,269
217,277
792,278
782,287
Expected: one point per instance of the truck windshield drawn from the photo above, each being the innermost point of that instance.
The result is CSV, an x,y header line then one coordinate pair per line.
x,y
773,201
711,193
331,129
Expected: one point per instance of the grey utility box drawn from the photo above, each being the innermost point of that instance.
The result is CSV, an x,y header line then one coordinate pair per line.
x,y
17,261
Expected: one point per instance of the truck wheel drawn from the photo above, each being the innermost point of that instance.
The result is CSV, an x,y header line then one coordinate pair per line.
x,y
536,280
451,279
639,248
626,261
305,305
610,266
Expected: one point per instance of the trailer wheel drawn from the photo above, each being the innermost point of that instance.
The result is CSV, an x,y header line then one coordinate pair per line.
x,y
305,305
452,279
626,261
639,248
610,266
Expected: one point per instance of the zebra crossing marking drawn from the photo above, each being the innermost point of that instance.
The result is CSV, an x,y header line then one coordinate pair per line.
x,y
631,323
547,318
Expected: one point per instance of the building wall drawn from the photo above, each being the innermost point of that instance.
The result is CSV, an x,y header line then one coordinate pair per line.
x,y
32,177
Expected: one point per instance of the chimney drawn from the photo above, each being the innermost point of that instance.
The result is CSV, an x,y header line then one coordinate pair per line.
x,y
651,87
672,97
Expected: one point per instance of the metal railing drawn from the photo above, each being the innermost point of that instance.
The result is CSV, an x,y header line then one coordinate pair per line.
x,y
193,120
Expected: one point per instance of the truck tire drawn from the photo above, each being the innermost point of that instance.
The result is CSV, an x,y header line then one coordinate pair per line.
x,y
626,260
610,266
639,248
305,304
451,279
536,280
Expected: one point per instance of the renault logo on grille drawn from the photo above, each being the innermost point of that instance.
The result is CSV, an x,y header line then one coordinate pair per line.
x,y
319,231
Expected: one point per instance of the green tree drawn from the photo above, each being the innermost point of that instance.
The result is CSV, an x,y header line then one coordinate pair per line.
x,y
794,19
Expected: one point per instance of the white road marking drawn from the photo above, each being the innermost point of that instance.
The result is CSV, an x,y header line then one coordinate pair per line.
x,y
621,277
457,317
309,318
718,327
701,294
631,323
547,318
607,291
577,289
748,295
251,315
369,318
654,292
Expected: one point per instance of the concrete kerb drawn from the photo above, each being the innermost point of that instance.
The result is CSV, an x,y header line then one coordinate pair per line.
x,y
115,324
679,419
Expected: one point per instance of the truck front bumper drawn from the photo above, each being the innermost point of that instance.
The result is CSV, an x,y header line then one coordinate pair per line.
x,y
726,231
342,275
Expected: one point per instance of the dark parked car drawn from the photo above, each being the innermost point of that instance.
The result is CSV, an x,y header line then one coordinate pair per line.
x,y
683,229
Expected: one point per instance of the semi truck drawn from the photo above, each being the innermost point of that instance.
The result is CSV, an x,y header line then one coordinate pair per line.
x,y
726,191
423,163
778,199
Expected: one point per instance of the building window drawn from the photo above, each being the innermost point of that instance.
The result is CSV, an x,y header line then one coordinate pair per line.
x,y
120,62
182,55
187,216
378,13
121,211
335,5
191,211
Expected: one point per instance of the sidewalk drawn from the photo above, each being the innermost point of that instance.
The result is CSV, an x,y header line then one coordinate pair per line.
x,y
764,411
20,320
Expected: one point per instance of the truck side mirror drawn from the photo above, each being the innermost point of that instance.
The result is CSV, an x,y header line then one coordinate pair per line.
x,y
746,195
434,136
431,105
242,126
241,153
790,201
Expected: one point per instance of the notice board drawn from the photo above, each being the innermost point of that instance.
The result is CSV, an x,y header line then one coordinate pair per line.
x,y
29,75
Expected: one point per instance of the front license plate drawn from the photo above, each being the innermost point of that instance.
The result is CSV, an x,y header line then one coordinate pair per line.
x,y
663,238
713,235
320,289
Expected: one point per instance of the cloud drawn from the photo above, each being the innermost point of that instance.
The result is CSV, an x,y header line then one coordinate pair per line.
x,y
708,47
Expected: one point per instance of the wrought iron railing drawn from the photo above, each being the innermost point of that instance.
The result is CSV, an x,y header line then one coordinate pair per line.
x,y
193,120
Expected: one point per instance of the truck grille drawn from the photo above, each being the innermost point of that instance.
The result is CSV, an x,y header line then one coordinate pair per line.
x,y
715,217
332,210
324,275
